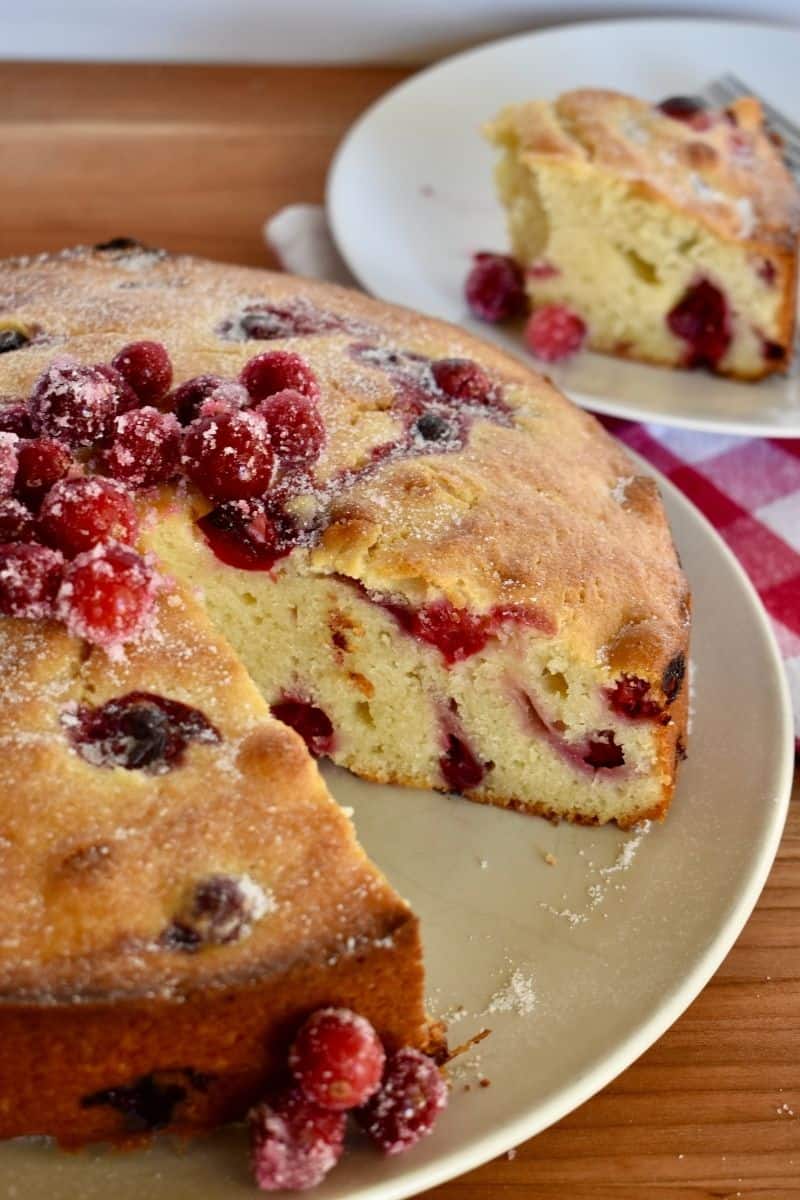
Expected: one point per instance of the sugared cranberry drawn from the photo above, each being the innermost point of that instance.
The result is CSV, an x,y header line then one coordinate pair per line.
x,y
554,332
408,1104
8,463
187,399
296,427
147,368
461,379
12,339
126,398
276,371
337,1059
313,725
17,523
146,448
107,595
228,396
29,580
461,770
138,731
229,456
74,403
16,418
41,463
690,109
494,288
702,319
603,751
629,697
77,514
293,1143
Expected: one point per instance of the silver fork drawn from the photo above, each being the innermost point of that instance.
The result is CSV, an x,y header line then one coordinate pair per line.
x,y
729,87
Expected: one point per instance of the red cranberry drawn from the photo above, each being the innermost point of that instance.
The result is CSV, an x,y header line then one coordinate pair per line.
x,y
629,698
126,397
221,910
147,368
603,751
337,1059
228,396
293,1143
248,535
228,456
77,514
408,1104
766,271
689,109
554,332
138,731
17,523
107,595
296,427
313,725
41,463
146,449
74,404
186,399
461,379
433,426
8,463
494,288
673,676
16,418
29,580
461,770
276,371
702,319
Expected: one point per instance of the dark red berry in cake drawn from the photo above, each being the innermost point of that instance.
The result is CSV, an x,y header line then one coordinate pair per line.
x,y
223,908
12,339
296,427
432,426
554,333
690,109
702,319
29,580
77,514
629,697
245,534
16,418
41,462
146,449
408,1104
773,351
462,379
138,731
147,368
603,751
337,1059
672,679
17,523
8,463
228,456
766,270
73,403
276,371
107,595
293,1143
460,768
494,288
313,725
126,397
187,399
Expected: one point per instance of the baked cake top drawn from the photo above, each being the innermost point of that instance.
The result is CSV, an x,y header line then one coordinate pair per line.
x,y
515,500
721,166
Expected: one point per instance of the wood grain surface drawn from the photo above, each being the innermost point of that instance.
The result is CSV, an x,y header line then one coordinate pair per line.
x,y
194,159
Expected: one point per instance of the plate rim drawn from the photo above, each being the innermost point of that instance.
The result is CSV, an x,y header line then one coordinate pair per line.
x,y
648,1032
606,405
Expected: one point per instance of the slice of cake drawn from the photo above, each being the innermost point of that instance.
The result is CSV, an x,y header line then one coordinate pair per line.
x,y
222,490
669,231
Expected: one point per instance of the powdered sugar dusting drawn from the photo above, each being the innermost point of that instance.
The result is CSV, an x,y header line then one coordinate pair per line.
x,y
517,995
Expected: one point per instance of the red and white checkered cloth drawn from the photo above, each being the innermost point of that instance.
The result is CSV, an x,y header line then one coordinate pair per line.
x,y
748,488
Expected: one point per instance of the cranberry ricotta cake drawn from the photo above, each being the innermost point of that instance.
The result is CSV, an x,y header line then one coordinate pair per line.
x,y
235,508
668,232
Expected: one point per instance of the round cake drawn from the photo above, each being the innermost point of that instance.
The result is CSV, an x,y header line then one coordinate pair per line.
x,y
237,507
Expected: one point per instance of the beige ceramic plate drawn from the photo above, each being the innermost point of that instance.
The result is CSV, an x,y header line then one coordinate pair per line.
x,y
645,920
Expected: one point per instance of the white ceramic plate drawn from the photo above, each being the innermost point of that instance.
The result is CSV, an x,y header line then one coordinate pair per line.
x,y
632,947
410,195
